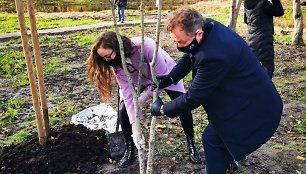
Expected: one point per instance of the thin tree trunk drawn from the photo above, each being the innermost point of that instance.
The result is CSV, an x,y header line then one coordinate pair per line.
x,y
297,36
234,11
153,121
38,62
141,154
26,48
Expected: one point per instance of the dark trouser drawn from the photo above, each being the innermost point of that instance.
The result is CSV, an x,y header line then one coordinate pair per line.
x,y
269,67
185,118
217,156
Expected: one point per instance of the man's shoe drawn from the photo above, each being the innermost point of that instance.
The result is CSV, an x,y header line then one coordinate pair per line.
x,y
122,21
119,20
231,168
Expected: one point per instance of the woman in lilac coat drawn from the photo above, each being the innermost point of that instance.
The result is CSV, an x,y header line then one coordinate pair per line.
x,y
105,60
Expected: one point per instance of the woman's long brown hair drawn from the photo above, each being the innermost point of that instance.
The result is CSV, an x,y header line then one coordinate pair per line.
x,y
97,69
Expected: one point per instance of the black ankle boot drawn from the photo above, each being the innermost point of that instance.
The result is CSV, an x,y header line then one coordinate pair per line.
x,y
194,155
129,155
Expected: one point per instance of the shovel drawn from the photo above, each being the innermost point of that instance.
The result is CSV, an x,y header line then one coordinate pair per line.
x,y
116,139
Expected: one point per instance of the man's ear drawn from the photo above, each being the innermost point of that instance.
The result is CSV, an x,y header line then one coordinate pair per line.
x,y
200,33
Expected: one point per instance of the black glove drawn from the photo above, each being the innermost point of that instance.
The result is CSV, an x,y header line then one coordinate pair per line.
x,y
164,81
155,107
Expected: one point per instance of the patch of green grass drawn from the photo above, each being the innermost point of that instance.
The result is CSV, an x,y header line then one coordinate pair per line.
x,y
300,126
12,62
63,111
221,18
166,152
292,88
56,121
201,122
187,79
9,22
20,79
10,111
283,38
137,28
85,40
62,98
16,138
287,19
52,66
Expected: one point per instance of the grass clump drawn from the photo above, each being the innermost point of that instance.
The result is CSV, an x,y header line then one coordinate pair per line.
x,y
10,111
300,126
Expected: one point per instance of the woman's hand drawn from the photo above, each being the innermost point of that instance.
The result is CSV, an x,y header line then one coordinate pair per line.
x,y
138,138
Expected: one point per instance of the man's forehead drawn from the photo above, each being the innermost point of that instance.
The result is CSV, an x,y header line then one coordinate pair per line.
x,y
178,33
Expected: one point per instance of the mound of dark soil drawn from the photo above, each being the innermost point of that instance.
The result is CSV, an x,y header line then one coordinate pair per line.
x,y
74,149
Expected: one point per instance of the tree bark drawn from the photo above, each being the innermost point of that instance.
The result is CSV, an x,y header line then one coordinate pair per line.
x,y
234,11
297,36
135,94
153,121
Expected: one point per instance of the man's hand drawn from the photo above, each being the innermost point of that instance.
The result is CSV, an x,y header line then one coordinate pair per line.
x,y
155,107
164,81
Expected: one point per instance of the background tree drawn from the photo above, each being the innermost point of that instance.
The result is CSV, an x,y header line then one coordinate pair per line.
x,y
134,93
297,36
234,11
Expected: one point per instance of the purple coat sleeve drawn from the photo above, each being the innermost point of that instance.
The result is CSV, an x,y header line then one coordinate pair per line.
x,y
163,66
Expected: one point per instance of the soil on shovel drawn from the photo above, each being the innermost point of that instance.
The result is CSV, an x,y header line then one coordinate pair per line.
x,y
71,148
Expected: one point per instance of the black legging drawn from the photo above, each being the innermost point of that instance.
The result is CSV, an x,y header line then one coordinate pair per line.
x,y
185,118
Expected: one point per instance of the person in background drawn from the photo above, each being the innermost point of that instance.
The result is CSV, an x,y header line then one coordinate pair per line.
x,y
259,18
242,104
122,4
105,60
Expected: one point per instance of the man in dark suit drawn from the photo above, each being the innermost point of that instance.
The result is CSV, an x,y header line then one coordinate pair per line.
x,y
241,102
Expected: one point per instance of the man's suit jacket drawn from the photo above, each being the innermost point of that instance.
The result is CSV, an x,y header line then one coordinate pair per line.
x,y
239,98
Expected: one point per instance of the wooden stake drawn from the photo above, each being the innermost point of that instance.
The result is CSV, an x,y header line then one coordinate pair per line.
x,y
27,54
38,62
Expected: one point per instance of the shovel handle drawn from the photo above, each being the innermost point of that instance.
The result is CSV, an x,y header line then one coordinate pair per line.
x,y
117,125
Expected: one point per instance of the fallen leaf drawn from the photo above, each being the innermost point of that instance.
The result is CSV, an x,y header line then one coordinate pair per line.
x,y
160,126
300,158
110,160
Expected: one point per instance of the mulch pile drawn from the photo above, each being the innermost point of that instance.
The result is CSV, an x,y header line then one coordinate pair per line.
x,y
73,149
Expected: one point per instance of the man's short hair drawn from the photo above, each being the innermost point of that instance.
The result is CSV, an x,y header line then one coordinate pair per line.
x,y
187,18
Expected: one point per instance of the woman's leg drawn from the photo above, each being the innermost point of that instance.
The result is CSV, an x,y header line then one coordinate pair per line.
x,y
129,154
125,122
187,124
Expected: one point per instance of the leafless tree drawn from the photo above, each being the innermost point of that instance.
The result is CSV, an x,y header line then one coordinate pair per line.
x,y
234,11
297,36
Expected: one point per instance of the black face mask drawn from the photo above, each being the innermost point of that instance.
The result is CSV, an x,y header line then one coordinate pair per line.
x,y
115,62
191,47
